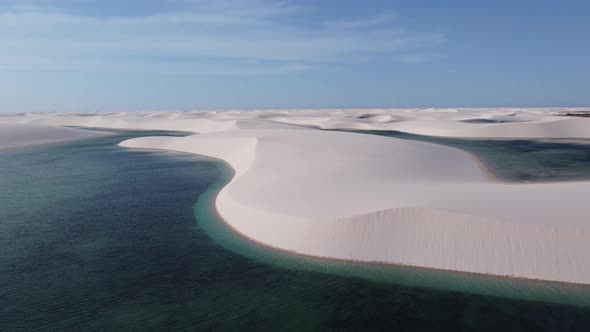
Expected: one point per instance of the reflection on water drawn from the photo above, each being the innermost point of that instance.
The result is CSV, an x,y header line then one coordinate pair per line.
x,y
96,237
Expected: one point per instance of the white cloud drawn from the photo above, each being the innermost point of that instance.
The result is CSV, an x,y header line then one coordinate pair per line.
x,y
227,31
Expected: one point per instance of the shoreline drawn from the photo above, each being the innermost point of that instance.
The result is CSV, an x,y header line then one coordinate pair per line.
x,y
92,134
256,221
487,280
486,170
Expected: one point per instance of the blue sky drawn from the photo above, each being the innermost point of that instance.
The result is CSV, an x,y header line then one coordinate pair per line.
x,y
119,55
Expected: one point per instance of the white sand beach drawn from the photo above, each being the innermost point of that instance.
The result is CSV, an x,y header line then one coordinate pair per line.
x,y
378,199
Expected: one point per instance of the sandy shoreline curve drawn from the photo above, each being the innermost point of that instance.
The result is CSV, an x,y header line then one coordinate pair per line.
x,y
235,231
367,198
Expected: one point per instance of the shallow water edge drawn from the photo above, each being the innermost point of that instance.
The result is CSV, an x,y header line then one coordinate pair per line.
x,y
522,289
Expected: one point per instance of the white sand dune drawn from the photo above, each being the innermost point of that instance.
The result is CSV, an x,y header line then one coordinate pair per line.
x,y
529,123
19,135
372,198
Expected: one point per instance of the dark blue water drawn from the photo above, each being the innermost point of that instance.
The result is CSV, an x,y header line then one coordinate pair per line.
x,y
94,237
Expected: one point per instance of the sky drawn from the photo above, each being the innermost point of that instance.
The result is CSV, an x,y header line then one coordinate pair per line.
x,y
126,55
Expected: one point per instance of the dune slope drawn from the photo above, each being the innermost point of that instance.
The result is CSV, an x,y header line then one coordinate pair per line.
x,y
369,198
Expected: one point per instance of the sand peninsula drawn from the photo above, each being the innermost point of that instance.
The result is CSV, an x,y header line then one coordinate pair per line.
x,y
377,199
